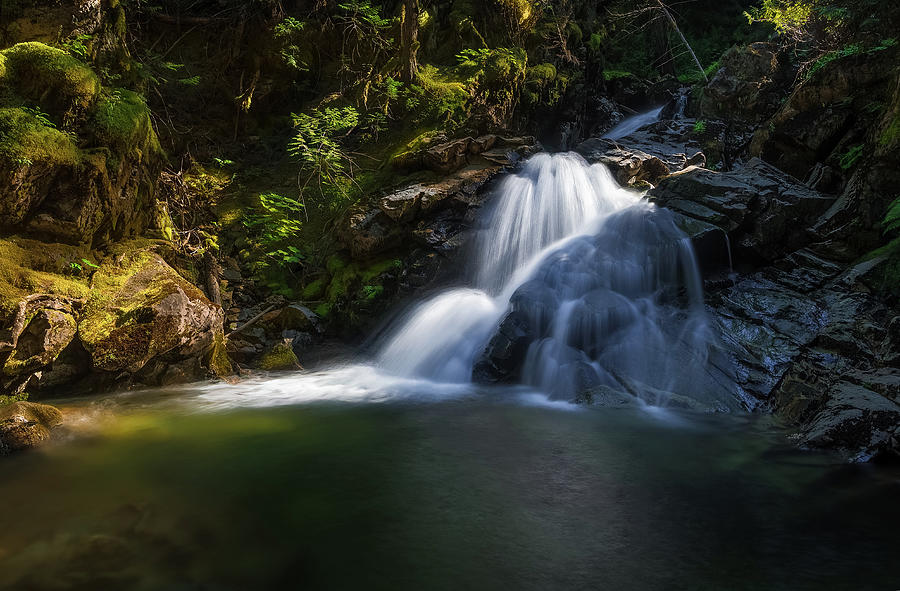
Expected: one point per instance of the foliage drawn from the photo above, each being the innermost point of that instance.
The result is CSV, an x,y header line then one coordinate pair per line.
x,y
851,156
272,224
788,16
288,35
316,145
847,51
700,126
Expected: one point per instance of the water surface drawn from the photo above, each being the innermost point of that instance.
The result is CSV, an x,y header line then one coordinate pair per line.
x,y
479,490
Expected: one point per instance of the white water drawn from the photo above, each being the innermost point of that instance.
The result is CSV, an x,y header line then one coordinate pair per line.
x,y
604,284
632,124
554,197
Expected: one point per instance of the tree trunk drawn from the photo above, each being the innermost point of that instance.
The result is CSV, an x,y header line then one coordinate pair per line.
x,y
668,15
409,40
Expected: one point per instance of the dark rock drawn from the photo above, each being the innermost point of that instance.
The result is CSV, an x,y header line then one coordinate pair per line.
x,y
748,85
763,210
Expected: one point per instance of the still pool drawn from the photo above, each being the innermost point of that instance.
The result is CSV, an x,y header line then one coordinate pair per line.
x,y
478,491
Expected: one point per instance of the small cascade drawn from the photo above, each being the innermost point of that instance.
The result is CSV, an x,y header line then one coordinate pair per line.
x,y
601,288
681,102
632,124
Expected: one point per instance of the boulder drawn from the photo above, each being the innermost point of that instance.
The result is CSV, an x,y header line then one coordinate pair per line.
x,y
280,357
628,166
748,85
25,425
141,310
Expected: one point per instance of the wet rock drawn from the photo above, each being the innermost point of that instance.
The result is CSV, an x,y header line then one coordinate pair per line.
x,y
506,350
763,210
628,166
856,421
25,425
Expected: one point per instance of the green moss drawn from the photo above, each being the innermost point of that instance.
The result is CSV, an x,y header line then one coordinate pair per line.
x,y
314,290
31,267
280,357
891,133
616,74
542,74
7,400
122,122
119,328
219,362
51,78
25,139
335,264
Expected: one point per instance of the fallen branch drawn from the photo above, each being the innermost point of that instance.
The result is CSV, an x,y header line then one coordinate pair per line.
x,y
250,322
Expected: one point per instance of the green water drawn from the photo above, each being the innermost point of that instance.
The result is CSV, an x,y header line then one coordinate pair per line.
x,y
473,493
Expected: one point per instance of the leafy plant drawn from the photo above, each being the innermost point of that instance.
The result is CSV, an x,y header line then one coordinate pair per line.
x,y
317,147
78,47
700,126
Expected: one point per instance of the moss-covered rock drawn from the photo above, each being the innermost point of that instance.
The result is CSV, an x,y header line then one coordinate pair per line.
x,y
24,425
63,86
140,310
78,162
280,357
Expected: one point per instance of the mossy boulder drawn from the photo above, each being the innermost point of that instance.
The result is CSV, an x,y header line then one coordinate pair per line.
x,y
141,310
280,357
78,162
63,86
24,425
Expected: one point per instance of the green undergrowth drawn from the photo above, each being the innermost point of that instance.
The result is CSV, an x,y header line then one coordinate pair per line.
x,y
349,283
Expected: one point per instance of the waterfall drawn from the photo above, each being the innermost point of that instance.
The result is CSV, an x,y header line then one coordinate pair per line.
x,y
599,286
632,124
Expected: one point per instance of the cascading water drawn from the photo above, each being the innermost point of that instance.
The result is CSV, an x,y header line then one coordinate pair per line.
x,y
552,198
632,124
600,287
578,288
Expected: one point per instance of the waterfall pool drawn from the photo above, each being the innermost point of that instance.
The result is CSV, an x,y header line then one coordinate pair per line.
x,y
462,488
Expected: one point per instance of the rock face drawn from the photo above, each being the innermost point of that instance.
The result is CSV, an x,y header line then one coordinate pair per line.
x,y
53,182
826,115
431,212
25,425
763,211
748,86
147,321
